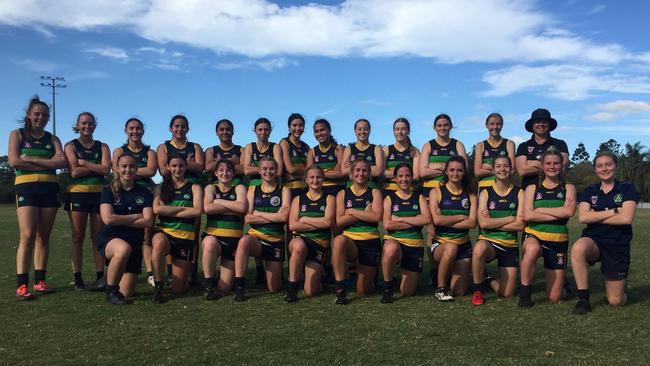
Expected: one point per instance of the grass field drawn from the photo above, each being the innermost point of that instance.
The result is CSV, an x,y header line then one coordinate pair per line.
x,y
70,327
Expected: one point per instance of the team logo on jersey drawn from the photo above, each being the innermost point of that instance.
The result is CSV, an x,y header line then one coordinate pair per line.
x,y
446,202
594,200
303,208
395,208
492,205
618,198
560,258
391,157
48,146
486,153
316,158
186,196
538,196
452,153
275,201
560,195
330,157
139,200
416,206
512,205
255,156
294,153
21,199
551,148
434,152
352,157
319,256
277,253
232,197
348,204
465,203
530,149
368,157
27,144
322,208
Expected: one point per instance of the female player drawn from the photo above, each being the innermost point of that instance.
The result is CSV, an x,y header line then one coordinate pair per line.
x,y
402,151
89,161
433,157
405,213
225,204
608,210
126,211
147,163
268,211
491,148
500,218
327,155
548,205
358,211
35,154
225,150
294,155
364,150
310,220
453,208
178,203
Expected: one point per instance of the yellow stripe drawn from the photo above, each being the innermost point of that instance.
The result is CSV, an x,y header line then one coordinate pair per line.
x,y
361,236
33,178
486,183
554,237
431,183
391,186
457,241
295,184
265,237
415,243
226,233
505,243
80,188
179,234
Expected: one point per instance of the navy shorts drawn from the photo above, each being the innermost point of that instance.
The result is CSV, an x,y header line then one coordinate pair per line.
x,y
412,258
134,264
464,250
315,252
614,258
181,249
272,252
506,256
368,252
82,202
555,254
40,200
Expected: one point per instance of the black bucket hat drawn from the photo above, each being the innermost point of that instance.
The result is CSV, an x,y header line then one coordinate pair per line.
x,y
541,114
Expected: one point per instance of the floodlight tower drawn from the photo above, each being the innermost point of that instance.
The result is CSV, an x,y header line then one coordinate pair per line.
x,y
53,82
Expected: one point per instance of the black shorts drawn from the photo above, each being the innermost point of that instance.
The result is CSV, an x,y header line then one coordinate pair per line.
x,y
228,246
134,264
411,258
555,254
614,258
40,200
315,252
272,252
464,250
506,256
82,202
181,249
368,252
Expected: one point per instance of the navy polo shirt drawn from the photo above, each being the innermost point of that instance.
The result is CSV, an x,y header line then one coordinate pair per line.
x,y
601,201
129,202
534,151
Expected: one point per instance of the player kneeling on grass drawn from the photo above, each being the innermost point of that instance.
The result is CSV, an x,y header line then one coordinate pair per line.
x,y
453,208
500,217
358,212
126,211
405,213
268,211
225,204
548,206
310,219
177,202
608,210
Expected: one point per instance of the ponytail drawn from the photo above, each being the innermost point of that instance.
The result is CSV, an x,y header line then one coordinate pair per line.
x,y
27,122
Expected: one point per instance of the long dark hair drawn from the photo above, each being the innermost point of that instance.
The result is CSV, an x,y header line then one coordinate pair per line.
x,y
542,176
134,119
227,121
327,125
291,118
465,181
179,116
27,122
443,116
167,185
408,125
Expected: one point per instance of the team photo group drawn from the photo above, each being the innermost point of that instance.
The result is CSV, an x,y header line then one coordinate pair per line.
x,y
335,213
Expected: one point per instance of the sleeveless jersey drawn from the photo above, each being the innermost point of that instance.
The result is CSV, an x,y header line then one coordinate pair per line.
x,y
314,208
327,161
36,181
141,160
185,152
405,207
367,154
393,158
440,154
553,231
489,154
360,230
267,202
298,156
225,225
94,182
501,206
452,204
173,226
257,155
234,152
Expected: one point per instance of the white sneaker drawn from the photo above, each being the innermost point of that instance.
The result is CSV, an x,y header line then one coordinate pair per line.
x,y
443,295
151,282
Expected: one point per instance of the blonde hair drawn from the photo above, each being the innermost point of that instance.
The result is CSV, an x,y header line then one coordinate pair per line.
x,y
116,182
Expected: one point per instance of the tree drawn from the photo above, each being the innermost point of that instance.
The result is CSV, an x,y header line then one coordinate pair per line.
x,y
610,145
7,174
580,155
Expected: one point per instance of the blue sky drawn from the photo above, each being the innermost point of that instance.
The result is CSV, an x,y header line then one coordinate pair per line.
x,y
588,62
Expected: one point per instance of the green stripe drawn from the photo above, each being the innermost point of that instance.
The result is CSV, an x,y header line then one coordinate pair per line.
x,y
326,166
29,172
269,230
451,212
406,234
548,228
502,213
549,203
267,209
500,235
452,235
177,226
360,228
406,213
438,158
180,203
317,234
42,153
298,159
312,214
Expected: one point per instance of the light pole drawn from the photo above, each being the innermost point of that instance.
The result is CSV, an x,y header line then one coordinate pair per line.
x,y
53,82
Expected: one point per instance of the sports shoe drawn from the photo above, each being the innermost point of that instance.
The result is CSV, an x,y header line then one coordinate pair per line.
x,y
79,286
158,296
115,298
582,307
341,300
442,294
99,285
240,295
151,281
43,288
22,293
477,298
525,302
211,293
386,297
291,295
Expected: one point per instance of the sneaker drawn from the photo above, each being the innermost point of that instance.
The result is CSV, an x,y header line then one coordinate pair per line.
x,y
582,307
79,286
151,281
442,294
99,285
158,296
525,302
290,295
211,293
386,297
115,298
43,288
341,300
240,295
22,293
477,298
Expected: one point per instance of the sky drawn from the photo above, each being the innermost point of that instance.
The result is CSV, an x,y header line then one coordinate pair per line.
x,y
588,62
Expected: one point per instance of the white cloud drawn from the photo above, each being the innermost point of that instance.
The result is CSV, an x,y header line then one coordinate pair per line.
x,y
110,52
268,65
151,49
597,9
37,65
618,109
377,102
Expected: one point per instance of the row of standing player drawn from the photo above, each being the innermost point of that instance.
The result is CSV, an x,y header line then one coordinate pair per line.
x,y
290,155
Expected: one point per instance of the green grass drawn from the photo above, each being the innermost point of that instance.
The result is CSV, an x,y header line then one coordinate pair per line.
x,y
70,327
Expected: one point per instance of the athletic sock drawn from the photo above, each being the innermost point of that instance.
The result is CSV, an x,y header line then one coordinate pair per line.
x,y
340,287
169,270
22,279
159,284
39,275
149,273
292,285
583,294
209,282
77,277
525,290
112,288
389,285
99,275
479,287
238,282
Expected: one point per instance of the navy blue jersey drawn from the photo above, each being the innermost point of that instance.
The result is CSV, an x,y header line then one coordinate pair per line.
x,y
128,202
534,151
601,201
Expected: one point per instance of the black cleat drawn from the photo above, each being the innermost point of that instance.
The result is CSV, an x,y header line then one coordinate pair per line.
x,y
79,286
158,296
99,285
290,295
525,302
341,300
240,295
211,293
582,307
386,297
115,298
